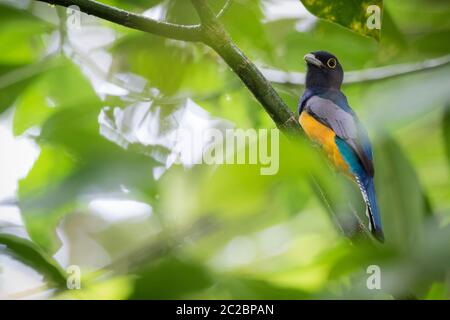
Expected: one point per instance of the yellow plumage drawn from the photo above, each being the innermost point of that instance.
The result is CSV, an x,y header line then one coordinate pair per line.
x,y
323,136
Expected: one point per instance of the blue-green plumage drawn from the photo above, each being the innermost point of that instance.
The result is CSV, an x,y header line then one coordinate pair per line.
x,y
366,185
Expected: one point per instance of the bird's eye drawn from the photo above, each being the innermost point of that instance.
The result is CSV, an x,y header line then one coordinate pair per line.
x,y
332,63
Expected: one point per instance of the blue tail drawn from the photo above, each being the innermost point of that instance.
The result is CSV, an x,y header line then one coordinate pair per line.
x,y
368,189
366,185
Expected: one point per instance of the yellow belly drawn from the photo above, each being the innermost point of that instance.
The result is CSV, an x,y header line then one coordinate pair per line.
x,y
323,136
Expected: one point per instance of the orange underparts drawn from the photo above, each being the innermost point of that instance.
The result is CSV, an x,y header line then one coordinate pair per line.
x,y
323,136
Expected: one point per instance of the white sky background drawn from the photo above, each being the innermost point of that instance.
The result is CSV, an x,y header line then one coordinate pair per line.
x,y
17,155
16,158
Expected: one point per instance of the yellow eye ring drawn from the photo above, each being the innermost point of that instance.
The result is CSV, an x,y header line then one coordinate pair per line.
x,y
332,63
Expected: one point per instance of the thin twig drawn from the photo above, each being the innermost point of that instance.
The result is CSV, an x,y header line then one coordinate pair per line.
x,y
133,20
224,9
25,293
9,202
153,250
359,76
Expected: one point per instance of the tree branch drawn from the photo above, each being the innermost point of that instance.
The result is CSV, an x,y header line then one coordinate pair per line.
x,y
359,76
215,36
133,20
212,33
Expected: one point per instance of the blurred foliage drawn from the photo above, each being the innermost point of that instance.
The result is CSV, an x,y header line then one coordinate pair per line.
x,y
30,254
103,102
446,126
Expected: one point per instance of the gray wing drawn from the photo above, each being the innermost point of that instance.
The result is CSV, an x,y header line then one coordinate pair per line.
x,y
344,125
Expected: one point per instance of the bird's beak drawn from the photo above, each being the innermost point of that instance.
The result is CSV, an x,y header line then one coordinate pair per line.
x,y
310,58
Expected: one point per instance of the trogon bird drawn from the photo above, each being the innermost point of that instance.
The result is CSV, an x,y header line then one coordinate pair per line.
x,y
328,120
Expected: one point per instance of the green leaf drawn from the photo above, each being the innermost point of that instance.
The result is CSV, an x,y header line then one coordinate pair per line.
x,y
249,33
19,36
249,288
403,275
31,255
401,197
13,80
351,14
10,13
167,65
59,87
40,214
446,131
21,48
115,288
170,278
438,291
15,42
133,4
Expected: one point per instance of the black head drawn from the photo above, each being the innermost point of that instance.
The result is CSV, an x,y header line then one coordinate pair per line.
x,y
324,70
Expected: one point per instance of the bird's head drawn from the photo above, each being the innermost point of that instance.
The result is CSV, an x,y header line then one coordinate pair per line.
x,y
324,70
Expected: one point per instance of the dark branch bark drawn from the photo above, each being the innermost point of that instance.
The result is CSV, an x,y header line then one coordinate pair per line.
x,y
210,32
133,20
215,36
